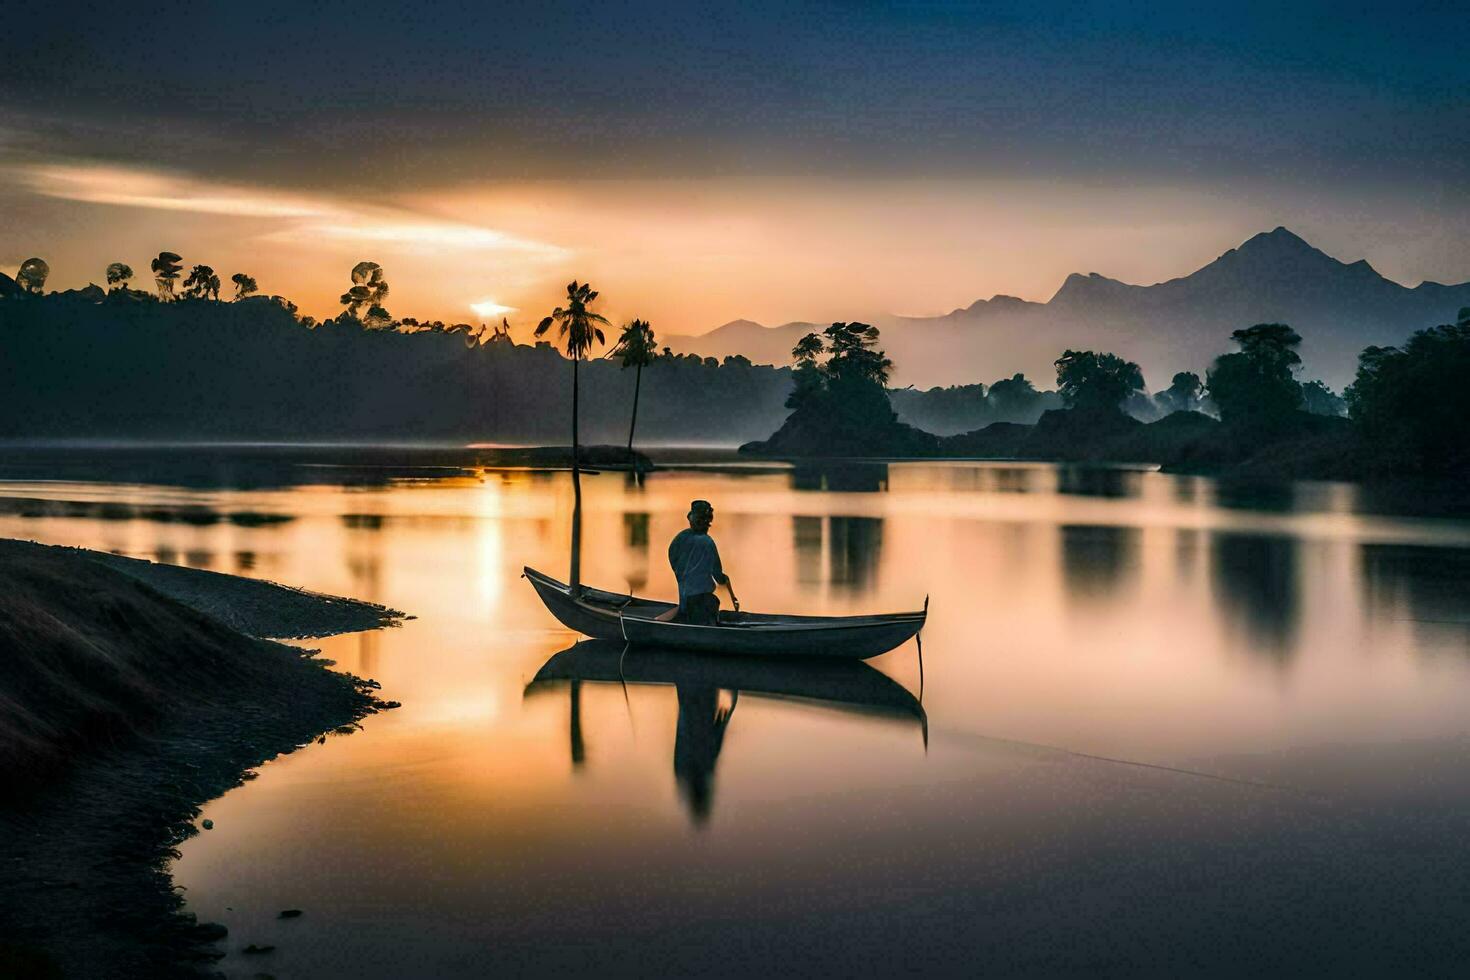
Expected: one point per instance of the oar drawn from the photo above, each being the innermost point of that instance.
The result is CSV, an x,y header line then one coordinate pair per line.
x,y
730,587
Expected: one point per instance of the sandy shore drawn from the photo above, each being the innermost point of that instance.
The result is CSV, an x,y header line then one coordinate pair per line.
x,y
133,693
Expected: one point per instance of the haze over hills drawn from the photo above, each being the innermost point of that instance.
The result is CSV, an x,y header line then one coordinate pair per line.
x,y
1181,324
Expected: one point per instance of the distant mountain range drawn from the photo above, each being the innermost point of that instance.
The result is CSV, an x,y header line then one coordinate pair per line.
x,y
1182,324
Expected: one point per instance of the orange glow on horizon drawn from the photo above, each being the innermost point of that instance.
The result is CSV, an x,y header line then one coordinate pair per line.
x,y
688,255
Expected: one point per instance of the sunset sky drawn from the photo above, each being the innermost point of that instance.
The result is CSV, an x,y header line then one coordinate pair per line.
x,y
771,161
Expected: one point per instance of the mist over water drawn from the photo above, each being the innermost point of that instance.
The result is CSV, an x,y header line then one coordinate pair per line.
x,y
1295,657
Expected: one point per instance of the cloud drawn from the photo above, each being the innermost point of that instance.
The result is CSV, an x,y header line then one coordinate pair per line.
x,y
416,233
132,187
303,218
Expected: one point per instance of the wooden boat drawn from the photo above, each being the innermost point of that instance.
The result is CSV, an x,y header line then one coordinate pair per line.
x,y
616,616
840,684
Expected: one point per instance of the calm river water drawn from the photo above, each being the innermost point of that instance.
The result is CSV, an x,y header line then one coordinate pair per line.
x,y
1167,725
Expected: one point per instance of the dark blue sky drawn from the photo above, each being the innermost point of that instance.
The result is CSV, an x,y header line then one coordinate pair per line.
x,y
315,94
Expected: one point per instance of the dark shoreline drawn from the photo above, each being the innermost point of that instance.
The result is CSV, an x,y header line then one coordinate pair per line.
x,y
170,708
1300,446
268,466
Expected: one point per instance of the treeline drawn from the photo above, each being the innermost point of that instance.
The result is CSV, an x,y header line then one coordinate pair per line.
x,y
961,408
183,361
125,363
81,365
1406,408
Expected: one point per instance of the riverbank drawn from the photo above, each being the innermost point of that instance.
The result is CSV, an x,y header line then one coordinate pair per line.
x,y
134,693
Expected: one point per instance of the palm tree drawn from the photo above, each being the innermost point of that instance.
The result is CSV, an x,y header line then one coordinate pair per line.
x,y
636,349
807,349
578,329
807,378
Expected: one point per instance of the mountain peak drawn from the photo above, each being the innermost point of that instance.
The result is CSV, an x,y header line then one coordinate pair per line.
x,y
1080,290
1278,241
1278,255
998,302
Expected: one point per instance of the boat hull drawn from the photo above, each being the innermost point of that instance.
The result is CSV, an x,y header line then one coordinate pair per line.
x,y
580,617
857,642
615,616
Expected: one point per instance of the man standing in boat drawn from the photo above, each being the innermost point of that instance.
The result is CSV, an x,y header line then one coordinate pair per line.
x,y
696,563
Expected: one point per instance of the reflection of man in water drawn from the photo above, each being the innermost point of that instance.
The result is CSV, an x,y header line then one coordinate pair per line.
x,y
696,564
701,732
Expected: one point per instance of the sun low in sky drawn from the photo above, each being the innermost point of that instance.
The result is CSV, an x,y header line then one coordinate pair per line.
x,y
489,309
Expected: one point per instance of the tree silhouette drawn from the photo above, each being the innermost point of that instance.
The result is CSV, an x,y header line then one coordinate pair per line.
x,y
202,283
1412,401
1256,387
807,378
1013,397
370,274
1319,399
1096,382
808,349
166,269
578,329
369,289
1183,393
244,285
635,348
855,357
1270,343
32,275
844,397
118,274
354,299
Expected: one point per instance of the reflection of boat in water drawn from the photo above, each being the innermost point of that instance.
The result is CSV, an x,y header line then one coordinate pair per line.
x,y
616,616
836,683
699,680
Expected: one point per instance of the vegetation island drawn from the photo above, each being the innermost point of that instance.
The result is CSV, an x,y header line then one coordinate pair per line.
x,y
1249,415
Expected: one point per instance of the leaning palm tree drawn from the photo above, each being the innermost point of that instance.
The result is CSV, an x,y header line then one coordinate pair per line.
x,y
635,348
578,330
